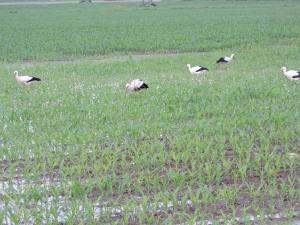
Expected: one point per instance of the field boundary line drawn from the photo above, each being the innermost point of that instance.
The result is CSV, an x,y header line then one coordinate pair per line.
x,y
67,2
100,59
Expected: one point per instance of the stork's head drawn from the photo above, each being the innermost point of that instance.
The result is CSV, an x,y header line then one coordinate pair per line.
x,y
232,56
126,87
188,65
283,69
16,73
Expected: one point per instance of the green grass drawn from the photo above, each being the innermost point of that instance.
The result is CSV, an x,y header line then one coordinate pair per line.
x,y
221,140
68,31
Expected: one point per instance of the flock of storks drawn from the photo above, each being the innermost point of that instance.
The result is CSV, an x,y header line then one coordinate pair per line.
x,y
137,84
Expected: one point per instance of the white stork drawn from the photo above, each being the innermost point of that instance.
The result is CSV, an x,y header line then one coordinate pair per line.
x,y
291,74
196,69
136,85
225,59
25,80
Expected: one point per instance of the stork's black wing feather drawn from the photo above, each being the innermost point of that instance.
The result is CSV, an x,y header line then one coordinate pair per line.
x,y
143,86
297,76
222,60
33,79
202,69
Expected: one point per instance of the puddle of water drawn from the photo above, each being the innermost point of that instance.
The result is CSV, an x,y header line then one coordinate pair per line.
x,y
18,186
10,208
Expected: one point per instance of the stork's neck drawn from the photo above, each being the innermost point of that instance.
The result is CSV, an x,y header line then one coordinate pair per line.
x,y
231,56
284,70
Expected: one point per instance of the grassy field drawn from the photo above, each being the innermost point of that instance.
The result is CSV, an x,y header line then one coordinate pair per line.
x,y
77,149
58,32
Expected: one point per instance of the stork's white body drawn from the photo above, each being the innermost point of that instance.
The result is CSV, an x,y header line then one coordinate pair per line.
x,y
196,69
25,80
291,74
136,85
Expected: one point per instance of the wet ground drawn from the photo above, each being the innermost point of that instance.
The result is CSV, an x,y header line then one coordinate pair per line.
x,y
19,185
